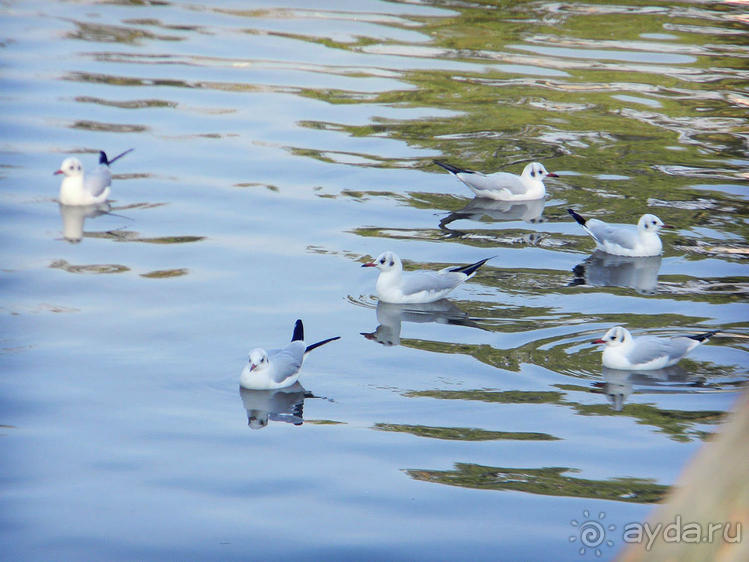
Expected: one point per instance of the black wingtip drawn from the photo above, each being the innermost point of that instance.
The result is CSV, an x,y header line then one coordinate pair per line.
x,y
103,158
298,331
581,220
470,269
113,160
450,168
318,344
705,336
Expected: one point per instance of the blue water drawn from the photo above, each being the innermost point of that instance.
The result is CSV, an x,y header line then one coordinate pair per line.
x,y
278,147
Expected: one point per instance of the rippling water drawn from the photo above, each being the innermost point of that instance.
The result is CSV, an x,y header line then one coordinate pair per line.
x,y
277,147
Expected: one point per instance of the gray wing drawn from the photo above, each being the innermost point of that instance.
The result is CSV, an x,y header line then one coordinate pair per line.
x,y
417,281
286,362
649,348
624,236
98,180
493,182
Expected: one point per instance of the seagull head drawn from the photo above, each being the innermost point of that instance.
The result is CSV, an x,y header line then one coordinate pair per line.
x,y
615,336
650,223
70,167
258,360
536,171
386,261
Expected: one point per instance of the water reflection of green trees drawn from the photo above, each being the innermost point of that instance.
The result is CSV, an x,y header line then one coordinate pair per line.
x,y
679,425
548,481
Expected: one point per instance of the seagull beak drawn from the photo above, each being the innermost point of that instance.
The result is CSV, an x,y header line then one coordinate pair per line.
x,y
667,226
368,335
552,175
370,264
252,367
598,341
57,172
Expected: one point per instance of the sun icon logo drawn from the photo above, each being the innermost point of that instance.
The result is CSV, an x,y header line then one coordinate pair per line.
x,y
592,533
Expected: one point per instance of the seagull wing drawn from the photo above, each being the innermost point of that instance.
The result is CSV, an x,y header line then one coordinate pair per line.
x,y
624,236
505,180
98,180
649,348
286,362
432,281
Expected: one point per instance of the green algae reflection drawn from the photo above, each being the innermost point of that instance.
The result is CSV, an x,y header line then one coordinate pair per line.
x,y
548,481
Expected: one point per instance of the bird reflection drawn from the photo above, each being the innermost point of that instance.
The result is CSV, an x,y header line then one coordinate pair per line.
x,y
605,270
281,405
74,216
618,384
390,316
479,207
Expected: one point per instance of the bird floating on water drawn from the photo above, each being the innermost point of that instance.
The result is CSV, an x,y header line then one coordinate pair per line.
x,y
645,353
625,240
504,186
413,287
278,368
92,188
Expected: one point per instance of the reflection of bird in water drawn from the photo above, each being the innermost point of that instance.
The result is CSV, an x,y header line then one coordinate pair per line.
x,y
80,188
281,404
478,208
390,316
646,353
74,217
618,384
504,186
605,270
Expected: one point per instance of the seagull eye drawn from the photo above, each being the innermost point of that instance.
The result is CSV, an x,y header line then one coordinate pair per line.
x,y
382,261
533,174
392,263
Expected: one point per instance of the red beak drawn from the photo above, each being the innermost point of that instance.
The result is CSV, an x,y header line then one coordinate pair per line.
x,y
598,341
668,226
552,175
370,264
57,172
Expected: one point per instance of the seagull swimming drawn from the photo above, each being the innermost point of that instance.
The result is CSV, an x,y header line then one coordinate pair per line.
x,y
625,240
414,287
79,188
646,352
504,186
278,368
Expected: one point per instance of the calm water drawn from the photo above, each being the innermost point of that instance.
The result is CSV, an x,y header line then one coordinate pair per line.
x,y
276,148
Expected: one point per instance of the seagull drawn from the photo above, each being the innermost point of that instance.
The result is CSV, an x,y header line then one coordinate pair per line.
x,y
625,240
78,188
278,368
504,186
646,352
415,287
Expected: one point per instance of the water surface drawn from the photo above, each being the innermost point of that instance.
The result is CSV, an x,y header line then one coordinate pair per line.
x,y
277,148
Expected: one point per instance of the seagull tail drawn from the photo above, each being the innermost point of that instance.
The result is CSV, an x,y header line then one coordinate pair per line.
x,y
470,269
580,219
704,337
103,157
320,343
298,331
452,169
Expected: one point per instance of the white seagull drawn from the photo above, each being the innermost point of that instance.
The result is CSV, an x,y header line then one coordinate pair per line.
x,y
415,287
646,352
79,188
504,186
625,240
278,368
